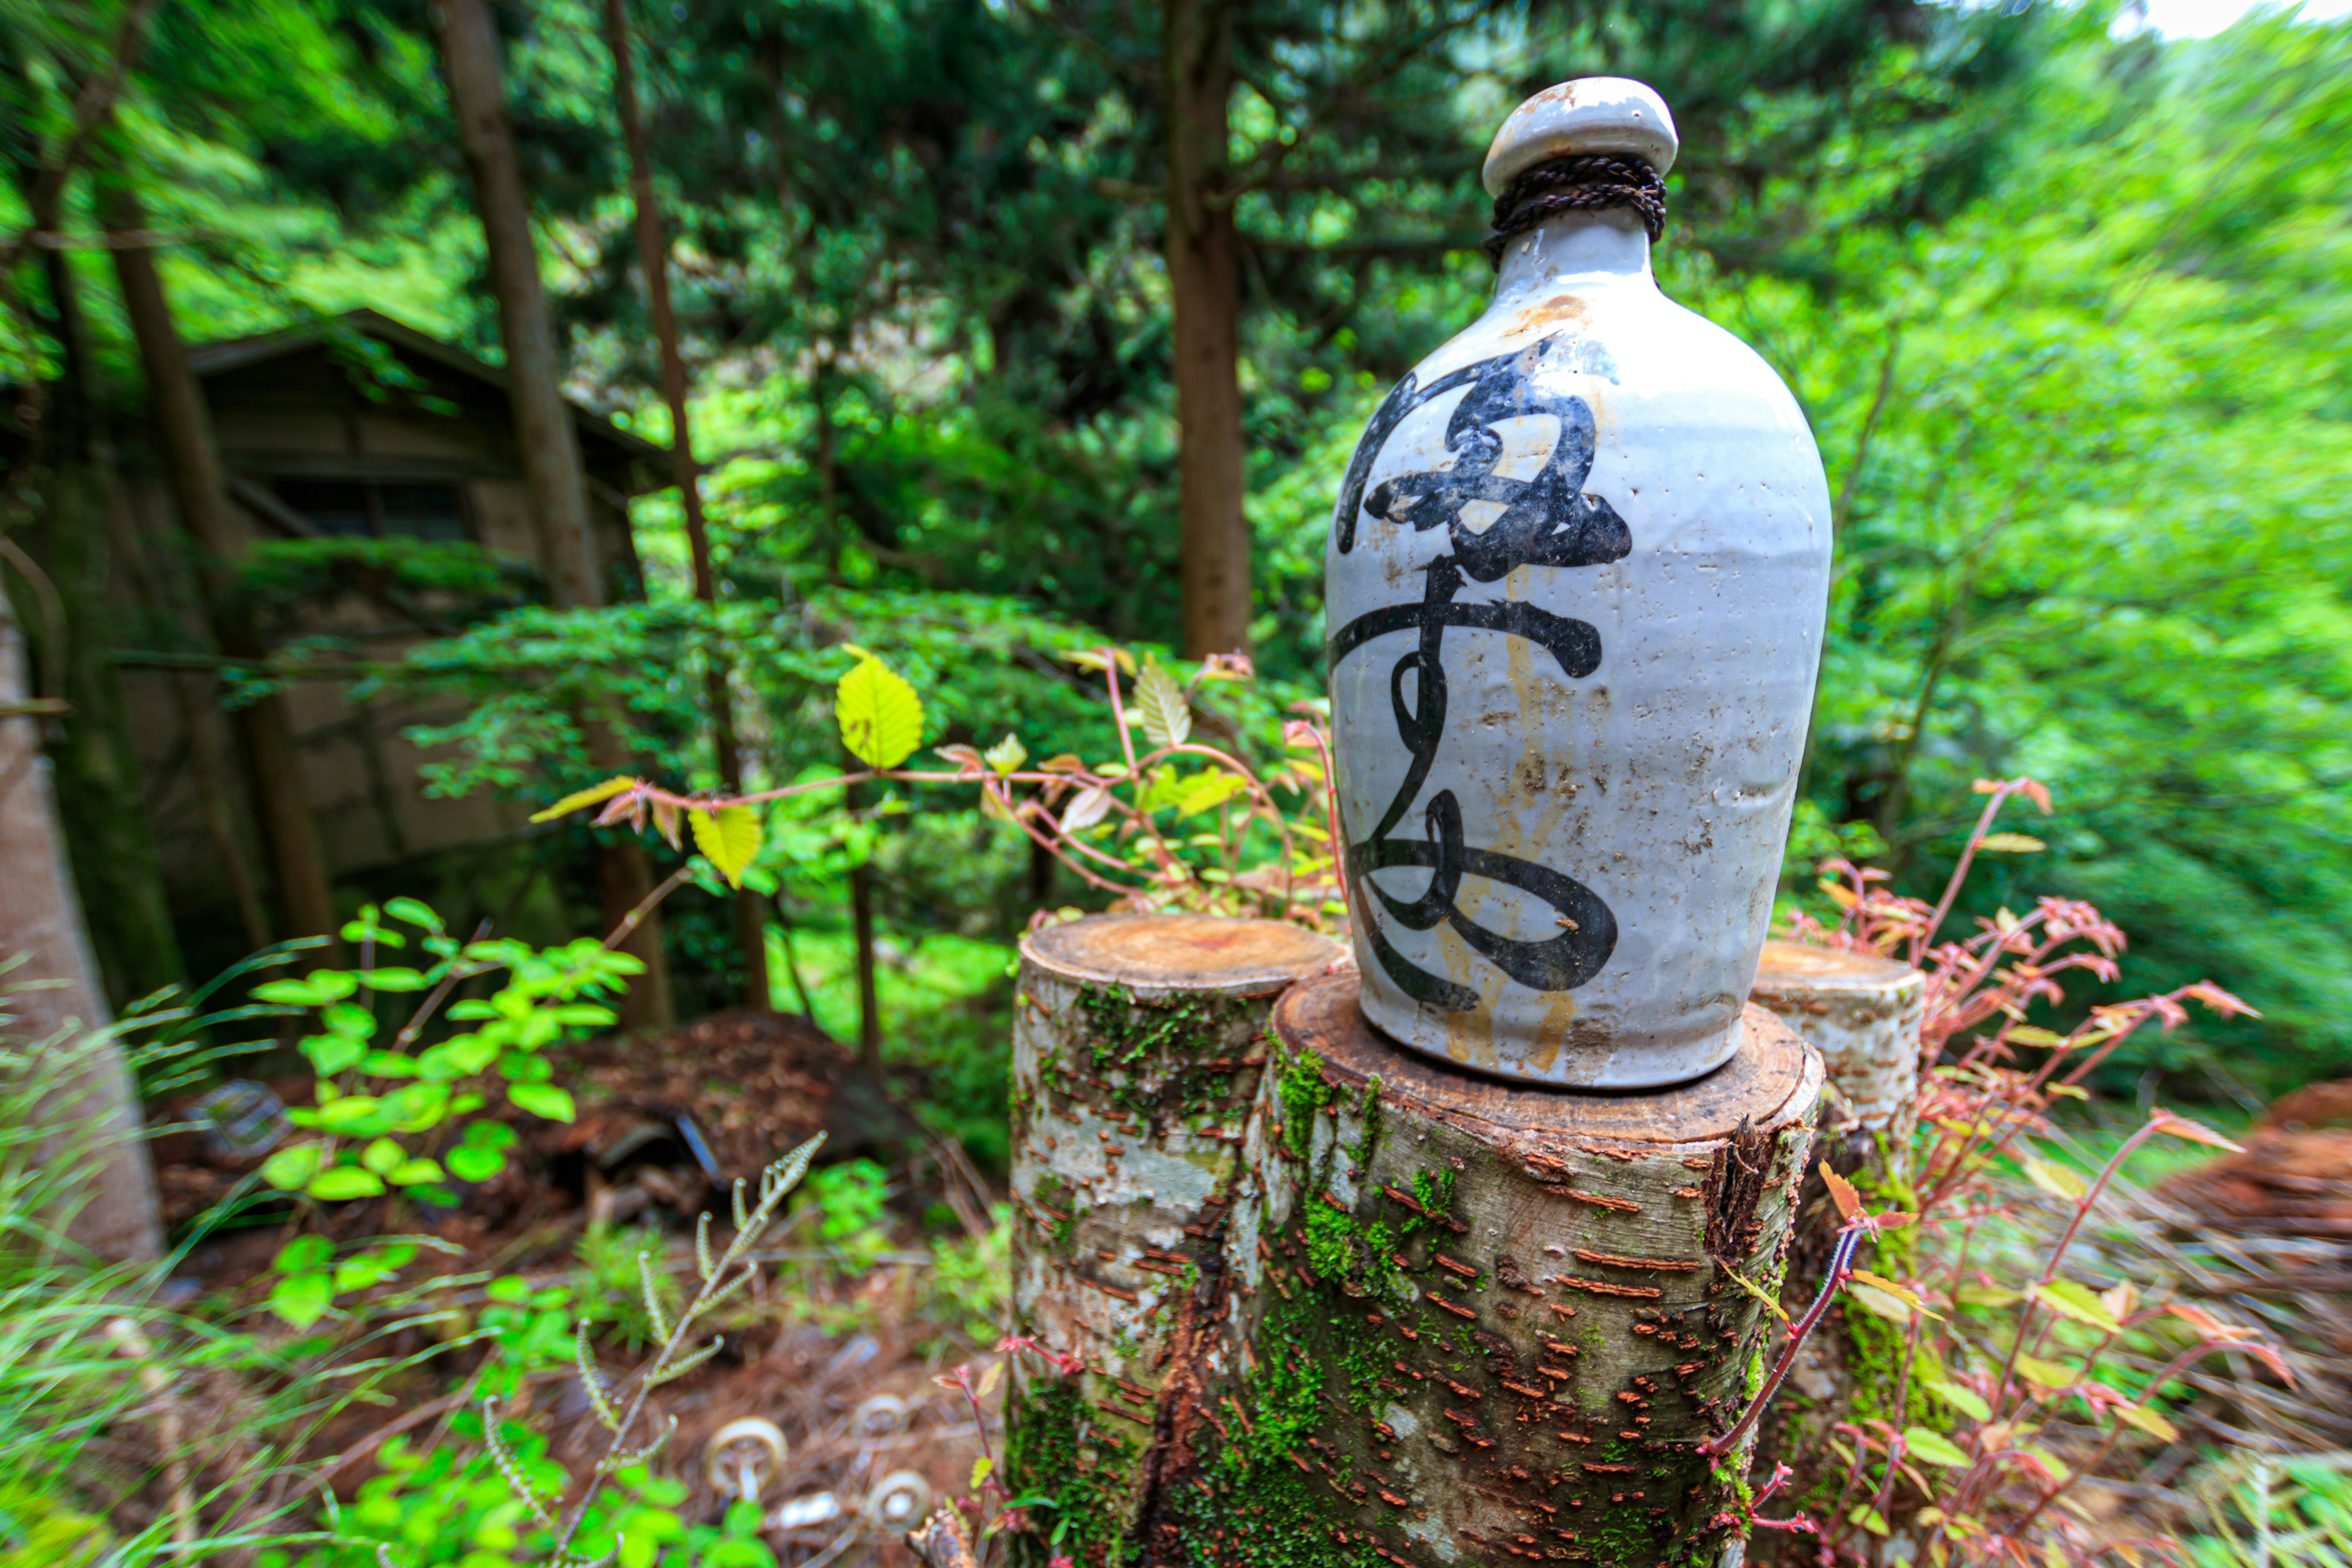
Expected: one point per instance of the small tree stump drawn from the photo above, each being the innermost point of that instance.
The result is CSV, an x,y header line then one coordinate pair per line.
x,y
1476,1322
1862,1012
1137,1044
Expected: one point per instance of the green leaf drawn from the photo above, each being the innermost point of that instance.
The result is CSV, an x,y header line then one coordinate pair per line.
x,y
2149,1421
410,1172
881,718
1967,1402
303,1254
1161,708
729,838
1007,755
384,1156
394,978
570,803
474,1163
352,1113
289,1169
488,1135
332,1054
542,1100
302,1299
1934,1447
415,911
314,990
345,1182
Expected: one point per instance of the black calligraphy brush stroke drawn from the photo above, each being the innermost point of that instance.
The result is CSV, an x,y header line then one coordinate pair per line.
x,y
1546,521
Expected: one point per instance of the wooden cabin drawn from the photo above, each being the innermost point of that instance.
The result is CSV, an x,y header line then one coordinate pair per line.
x,y
360,428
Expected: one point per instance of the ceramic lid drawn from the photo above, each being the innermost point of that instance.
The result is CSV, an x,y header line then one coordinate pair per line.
x,y
1591,114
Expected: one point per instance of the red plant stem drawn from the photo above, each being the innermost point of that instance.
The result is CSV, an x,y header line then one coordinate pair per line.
x,y
1840,1265
2058,1254
2001,792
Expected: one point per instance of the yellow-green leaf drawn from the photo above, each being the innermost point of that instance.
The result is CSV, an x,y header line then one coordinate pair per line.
x,y
2046,1374
1934,1447
2069,1299
1874,1300
1967,1401
981,1469
1986,1295
1868,1518
729,838
1208,791
580,797
2034,1035
2149,1421
2055,1180
1161,708
881,718
2011,843
1007,755
1903,1293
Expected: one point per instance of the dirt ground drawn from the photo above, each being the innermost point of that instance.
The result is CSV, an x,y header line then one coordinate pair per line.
x,y
839,1354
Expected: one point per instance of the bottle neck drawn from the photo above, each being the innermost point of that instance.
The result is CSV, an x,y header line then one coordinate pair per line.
x,y
1583,248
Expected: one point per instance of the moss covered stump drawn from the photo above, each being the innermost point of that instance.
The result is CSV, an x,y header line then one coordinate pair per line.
x,y
1862,1014
1139,1043
1482,1323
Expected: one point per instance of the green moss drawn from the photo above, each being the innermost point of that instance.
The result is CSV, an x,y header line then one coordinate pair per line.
x,y
1144,1046
1057,1444
1303,1092
1434,1190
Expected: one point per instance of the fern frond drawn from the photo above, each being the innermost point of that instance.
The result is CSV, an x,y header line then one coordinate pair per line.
x,y
743,1215
780,1178
607,1413
702,1246
620,1458
711,1299
654,1313
671,1371
518,1481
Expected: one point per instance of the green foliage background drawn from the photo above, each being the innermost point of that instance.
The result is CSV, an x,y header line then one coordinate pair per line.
x,y
2066,309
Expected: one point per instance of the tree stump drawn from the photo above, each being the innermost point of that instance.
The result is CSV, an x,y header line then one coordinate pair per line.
x,y
1138,1045
1476,1323
1862,1012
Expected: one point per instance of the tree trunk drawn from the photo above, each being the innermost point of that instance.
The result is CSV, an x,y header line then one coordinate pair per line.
x,y
544,431
95,1108
652,259
265,727
1203,253
1862,1012
1138,1045
117,869
1450,1316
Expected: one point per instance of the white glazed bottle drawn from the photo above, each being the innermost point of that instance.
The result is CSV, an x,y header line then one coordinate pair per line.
x,y
1575,590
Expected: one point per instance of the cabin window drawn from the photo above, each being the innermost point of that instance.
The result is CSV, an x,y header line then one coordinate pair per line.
x,y
351,509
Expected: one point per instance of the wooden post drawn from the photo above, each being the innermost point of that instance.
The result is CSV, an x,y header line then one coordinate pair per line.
x,y
1477,1323
1862,1012
1138,1045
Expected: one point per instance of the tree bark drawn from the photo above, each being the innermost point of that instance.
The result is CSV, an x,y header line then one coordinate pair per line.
x,y
1862,1012
652,259
1203,255
550,443
117,869
1475,1317
265,727
543,429
93,1114
1138,1045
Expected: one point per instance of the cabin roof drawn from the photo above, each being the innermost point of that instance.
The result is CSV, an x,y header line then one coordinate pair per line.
x,y
226,354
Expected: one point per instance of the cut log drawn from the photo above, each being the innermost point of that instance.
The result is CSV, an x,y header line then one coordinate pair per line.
x,y
1138,1045
1476,1323
1862,1012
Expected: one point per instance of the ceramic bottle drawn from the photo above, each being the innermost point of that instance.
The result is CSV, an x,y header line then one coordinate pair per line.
x,y
1575,589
